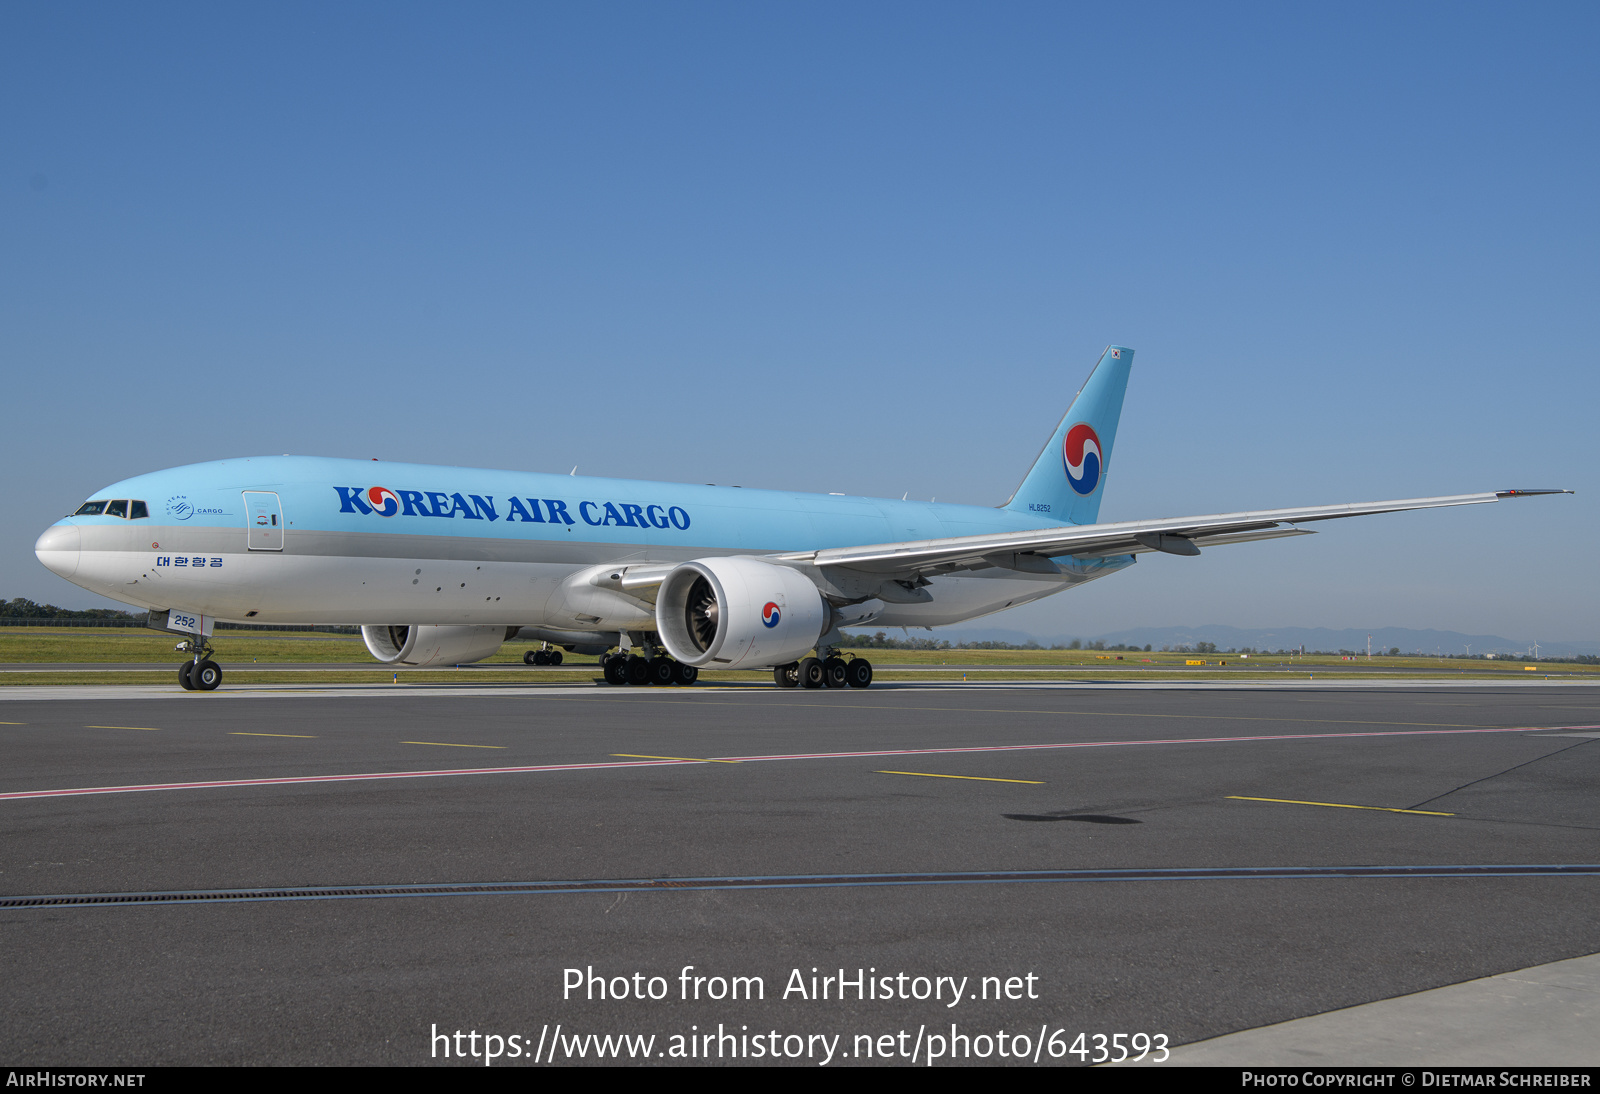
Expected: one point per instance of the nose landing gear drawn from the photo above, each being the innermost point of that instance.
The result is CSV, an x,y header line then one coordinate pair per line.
x,y
200,673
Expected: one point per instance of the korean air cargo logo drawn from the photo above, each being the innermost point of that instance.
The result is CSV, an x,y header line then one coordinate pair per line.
x,y
769,614
1081,454
383,501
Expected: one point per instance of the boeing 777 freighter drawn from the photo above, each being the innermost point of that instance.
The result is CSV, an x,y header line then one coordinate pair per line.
x,y
440,565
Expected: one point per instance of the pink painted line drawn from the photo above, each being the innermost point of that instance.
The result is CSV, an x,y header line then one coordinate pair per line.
x,y
375,775
298,779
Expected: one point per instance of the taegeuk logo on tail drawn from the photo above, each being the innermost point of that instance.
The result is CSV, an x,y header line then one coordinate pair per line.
x,y
1081,455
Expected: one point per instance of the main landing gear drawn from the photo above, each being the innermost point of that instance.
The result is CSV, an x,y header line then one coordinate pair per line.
x,y
626,668
828,671
542,657
200,673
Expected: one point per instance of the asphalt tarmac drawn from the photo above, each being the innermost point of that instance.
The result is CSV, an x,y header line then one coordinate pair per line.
x,y
1173,862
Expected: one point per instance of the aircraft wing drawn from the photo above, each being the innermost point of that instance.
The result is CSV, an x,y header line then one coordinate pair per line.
x,y
1030,551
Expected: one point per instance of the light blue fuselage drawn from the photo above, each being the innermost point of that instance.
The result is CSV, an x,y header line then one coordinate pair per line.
x,y
468,546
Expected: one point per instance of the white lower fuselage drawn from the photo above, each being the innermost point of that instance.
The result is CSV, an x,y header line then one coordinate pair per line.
x,y
240,585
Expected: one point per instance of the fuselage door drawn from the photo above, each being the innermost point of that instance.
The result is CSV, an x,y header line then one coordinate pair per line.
x,y
263,520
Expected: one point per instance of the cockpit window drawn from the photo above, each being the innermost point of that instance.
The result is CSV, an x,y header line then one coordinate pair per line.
x,y
132,510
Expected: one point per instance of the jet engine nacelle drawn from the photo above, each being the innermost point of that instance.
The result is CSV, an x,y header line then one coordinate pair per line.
x,y
419,647
739,613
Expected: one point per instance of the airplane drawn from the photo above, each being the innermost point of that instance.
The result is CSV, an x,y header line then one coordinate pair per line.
x,y
441,565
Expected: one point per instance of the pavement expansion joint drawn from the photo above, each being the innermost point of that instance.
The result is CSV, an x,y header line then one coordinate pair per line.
x,y
795,881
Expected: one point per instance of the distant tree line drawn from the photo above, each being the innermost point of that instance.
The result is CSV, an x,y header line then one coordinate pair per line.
x,y
16,610
23,608
881,641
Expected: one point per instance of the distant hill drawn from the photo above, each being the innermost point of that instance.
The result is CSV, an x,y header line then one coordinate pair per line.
x,y
1275,638
1325,638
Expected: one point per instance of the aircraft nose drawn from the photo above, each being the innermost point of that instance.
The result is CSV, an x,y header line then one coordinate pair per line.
x,y
58,548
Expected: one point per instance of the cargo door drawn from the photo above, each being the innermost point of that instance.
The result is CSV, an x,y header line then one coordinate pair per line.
x,y
263,520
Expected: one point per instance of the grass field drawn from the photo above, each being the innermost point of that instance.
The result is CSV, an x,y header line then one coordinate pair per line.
x,y
237,650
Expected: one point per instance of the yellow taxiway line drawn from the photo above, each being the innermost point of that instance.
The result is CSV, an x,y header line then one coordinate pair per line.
x,y
975,778
1339,805
449,744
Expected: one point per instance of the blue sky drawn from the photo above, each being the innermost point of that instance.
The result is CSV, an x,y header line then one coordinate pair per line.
x,y
865,248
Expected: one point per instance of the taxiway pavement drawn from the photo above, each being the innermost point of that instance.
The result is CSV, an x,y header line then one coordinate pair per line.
x,y
245,856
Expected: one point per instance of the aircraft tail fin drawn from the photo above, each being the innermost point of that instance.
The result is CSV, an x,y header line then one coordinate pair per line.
x,y
1068,479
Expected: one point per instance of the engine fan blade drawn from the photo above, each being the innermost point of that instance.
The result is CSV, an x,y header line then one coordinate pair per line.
x,y
702,614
